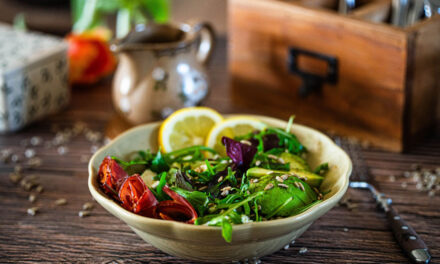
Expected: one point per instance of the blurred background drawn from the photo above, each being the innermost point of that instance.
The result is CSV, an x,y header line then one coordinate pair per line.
x,y
40,15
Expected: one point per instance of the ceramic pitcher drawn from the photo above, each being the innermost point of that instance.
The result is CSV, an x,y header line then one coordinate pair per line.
x,y
161,69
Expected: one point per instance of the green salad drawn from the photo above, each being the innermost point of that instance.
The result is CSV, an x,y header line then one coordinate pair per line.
x,y
263,176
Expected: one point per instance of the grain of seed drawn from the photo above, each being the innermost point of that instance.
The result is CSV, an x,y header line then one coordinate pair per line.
x,y
32,198
268,187
282,185
281,161
407,174
279,179
34,162
61,201
286,247
189,157
225,193
220,179
83,213
431,193
14,177
246,142
88,206
155,184
284,177
404,185
303,250
203,188
257,163
33,210
15,158
39,189
29,153
227,188
35,141
301,186
18,169
392,178
29,186
271,156
62,150
255,180
345,229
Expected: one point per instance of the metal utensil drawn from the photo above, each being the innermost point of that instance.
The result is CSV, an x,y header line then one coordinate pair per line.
x,y
408,239
345,6
431,7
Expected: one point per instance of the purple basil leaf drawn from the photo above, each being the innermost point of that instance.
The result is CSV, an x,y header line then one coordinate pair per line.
x,y
241,154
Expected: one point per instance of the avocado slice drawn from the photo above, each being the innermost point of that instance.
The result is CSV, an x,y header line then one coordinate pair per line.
x,y
310,178
295,161
274,199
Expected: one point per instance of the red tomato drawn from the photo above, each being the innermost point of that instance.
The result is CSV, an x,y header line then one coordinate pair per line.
x,y
135,195
179,209
111,176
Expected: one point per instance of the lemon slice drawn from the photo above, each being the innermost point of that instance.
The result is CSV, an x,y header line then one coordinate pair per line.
x,y
187,127
232,127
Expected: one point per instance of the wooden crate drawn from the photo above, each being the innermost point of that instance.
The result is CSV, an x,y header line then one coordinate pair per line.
x,y
387,77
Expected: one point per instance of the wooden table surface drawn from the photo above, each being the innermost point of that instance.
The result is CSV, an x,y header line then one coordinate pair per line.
x,y
57,234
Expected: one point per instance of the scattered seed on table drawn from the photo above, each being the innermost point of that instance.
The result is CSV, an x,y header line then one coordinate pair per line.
x,y
29,185
84,158
268,187
33,210
286,247
34,162
88,206
84,213
303,250
392,178
406,174
39,189
345,229
404,185
62,150
15,177
292,242
18,169
61,201
29,153
32,198
15,158
35,141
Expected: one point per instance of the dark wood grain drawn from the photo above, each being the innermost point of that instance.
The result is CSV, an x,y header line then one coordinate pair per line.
x,y
57,234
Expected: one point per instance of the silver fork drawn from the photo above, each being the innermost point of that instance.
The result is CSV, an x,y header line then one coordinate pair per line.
x,y
406,237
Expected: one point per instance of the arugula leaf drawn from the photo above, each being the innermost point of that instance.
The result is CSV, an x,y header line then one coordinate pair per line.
x,y
158,164
199,200
160,193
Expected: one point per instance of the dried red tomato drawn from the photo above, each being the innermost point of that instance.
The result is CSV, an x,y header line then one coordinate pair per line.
x,y
179,209
111,176
135,195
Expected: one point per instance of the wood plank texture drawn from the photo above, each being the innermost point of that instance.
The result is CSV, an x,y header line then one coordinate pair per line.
x,y
57,234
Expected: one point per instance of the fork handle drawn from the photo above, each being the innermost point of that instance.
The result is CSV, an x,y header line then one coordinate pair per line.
x,y
407,238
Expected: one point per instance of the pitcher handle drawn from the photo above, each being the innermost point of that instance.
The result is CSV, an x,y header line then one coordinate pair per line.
x,y
207,42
